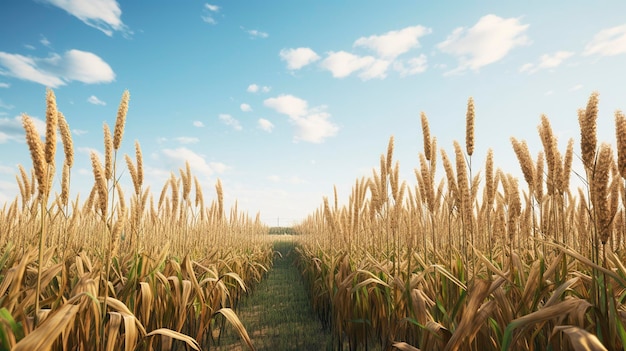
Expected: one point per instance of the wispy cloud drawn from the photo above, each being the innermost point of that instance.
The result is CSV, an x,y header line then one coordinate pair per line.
x,y
546,61
230,121
187,140
608,42
44,41
488,41
5,105
104,15
209,10
412,66
4,85
11,129
576,87
394,43
176,158
6,170
245,108
254,33
79,132
312,125
265,125
298,58
94,100
388,48
57,70
254,88
198,124
212,8
342,64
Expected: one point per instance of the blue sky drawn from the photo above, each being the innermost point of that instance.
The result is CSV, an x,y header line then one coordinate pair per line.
x,y
282,100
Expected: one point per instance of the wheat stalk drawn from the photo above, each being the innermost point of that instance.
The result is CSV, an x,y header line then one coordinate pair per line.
x,y
120,121
587,120
620,136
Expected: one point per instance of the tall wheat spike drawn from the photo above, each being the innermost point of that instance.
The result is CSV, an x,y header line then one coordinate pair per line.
x,y
469,127
620,136
120,121
51,126
36,153
600,186
587,120
426,136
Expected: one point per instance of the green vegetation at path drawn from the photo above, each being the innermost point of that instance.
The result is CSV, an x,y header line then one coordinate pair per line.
x,y
278,315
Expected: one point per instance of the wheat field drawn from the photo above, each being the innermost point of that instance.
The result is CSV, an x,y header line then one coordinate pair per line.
x,y
116,270
471,258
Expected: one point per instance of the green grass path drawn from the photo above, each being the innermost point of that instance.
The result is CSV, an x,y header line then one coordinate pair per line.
x,y
278,314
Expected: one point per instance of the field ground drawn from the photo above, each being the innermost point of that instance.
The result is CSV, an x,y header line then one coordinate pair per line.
x,y
278,314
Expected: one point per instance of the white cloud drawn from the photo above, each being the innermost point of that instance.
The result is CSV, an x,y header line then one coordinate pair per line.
x,y
378,69
526,67
4,85
187,140
26,68
265,125
87,67
6,170
257,34
274,178
44,41
394,43
288,105
94,100
209,19
252,88
342,64
11,129
212,8
5,138
176,158
79,132
549,92
104,15
209,9
298,58
547,61
413,66
230,121
312,125
6,106
219,167
488,41
56,70
608,42
576,87
198,124
245,108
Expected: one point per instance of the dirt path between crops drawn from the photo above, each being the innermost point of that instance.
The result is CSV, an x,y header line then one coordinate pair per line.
x,y
278,315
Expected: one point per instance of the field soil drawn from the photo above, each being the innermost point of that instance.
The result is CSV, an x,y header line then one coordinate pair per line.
x,y
278,314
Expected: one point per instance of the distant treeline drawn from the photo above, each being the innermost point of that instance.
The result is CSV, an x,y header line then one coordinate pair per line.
x,y
283,230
